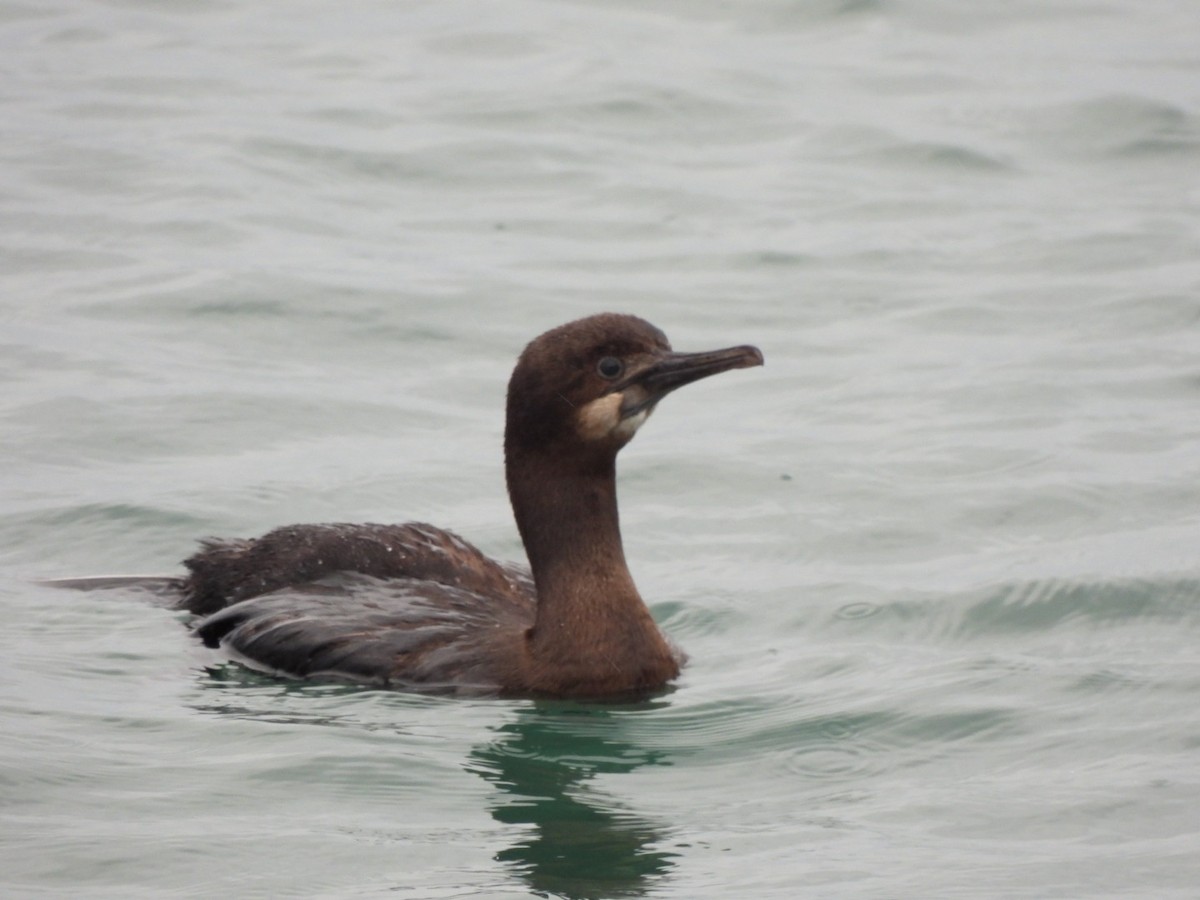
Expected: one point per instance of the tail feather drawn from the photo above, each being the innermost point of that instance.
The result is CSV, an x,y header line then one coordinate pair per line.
x,y
165,587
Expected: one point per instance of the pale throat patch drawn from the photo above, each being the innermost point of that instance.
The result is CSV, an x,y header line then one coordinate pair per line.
x,y
601,418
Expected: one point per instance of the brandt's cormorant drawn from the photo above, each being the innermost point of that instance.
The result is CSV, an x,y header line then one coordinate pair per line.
x,y
415,607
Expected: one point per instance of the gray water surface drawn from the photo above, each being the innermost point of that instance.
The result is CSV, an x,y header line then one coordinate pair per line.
x,y
937,565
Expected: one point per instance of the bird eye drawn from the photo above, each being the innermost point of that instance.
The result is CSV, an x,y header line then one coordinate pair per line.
x,y
610,367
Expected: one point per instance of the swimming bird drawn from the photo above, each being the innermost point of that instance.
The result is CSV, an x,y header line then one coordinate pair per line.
x,y
415,607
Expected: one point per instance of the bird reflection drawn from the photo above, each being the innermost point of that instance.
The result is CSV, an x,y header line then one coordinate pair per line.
x,y
579,844
568,839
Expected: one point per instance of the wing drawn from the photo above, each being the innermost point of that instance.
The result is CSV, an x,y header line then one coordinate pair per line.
x,y
227,572
392,633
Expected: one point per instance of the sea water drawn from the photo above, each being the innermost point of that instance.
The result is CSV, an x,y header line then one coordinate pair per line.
x,y
937,565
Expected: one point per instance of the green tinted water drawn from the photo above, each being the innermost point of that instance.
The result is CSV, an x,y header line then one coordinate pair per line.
x,y
935,565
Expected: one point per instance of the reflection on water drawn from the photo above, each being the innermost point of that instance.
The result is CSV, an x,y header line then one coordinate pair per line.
x,y
568,839
578,843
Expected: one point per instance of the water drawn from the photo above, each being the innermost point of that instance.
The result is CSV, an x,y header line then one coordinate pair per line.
x,y
935,565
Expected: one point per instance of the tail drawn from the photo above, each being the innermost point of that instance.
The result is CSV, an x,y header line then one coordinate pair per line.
x,y
165,588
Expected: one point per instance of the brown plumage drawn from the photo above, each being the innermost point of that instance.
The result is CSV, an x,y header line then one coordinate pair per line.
x,y
412,606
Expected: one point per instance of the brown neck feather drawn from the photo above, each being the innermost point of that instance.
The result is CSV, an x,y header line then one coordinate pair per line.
x,y
591,623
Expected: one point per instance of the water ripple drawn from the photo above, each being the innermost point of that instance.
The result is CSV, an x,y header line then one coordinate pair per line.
x,y
1046,603
1121,126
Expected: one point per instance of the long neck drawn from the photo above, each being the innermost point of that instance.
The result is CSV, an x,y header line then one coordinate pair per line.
x,y
589,610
